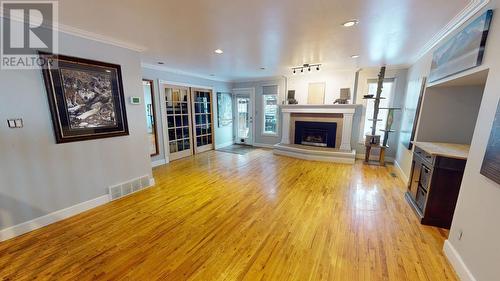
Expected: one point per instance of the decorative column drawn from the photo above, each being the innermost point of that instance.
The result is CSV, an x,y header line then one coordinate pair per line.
x,y
285,131
347,132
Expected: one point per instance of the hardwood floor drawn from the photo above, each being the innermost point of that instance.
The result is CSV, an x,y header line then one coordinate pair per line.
x,y
223,216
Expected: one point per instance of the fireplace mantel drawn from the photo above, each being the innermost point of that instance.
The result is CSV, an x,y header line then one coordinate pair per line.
x,y
320,108
287,148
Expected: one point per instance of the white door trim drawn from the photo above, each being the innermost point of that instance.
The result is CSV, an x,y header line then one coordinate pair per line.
x,y
251,93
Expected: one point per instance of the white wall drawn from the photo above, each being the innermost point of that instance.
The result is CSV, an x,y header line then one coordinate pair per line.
x,y
223,135
334,80
449,114
39,176
478,207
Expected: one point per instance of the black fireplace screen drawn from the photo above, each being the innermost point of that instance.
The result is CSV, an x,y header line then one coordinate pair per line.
x,y
315,133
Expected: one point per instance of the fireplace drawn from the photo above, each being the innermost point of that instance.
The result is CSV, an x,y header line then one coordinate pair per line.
x,y
321,134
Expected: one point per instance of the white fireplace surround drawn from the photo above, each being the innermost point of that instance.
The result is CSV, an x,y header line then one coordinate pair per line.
x,y
345,153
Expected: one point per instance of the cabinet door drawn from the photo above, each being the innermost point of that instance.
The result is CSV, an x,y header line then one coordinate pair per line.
x,y
415,178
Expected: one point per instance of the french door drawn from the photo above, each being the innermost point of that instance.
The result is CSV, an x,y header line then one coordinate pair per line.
x,y
178,131
203,119
187,121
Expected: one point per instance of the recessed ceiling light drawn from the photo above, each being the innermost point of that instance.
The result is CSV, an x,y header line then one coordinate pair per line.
x,y
219,51
160,62
350,23
355,56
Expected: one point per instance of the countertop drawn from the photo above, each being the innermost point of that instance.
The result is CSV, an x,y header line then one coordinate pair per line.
x,y
450,150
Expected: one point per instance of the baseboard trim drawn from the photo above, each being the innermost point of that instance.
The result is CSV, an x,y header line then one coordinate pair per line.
x,y
456,261
264,145
401,173
217,146
51,218
158,163
59,215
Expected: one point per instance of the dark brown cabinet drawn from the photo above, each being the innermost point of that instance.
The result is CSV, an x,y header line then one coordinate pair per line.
x,y
434,187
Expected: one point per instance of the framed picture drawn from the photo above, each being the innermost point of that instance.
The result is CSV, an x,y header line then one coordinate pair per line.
x,y
316,93
411,111
86,98
491,162
463,51
149,107
224,109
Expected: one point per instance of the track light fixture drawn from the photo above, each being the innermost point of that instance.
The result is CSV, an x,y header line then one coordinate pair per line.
x,y
306,66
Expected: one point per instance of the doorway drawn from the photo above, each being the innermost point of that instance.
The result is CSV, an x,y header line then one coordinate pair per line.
x,y
244,116
187,120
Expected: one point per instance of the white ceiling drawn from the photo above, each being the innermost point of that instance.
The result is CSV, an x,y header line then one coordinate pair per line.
x,y
275,34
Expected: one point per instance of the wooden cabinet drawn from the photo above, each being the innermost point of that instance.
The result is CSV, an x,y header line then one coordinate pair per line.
x,y
434,187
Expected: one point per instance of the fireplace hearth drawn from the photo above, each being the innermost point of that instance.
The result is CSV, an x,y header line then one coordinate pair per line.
x,y
321,134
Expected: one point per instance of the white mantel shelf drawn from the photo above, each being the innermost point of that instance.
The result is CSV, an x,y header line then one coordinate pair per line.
x,y
344,155
320,108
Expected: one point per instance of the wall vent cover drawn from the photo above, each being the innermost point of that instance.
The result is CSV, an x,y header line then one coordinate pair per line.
x,y
126,188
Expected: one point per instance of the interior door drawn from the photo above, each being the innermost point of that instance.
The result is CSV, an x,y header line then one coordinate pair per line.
x,y
202,120
244,125
177,112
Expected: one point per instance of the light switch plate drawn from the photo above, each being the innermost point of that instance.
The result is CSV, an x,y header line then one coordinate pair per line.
x,y
15,123
19,123
11,123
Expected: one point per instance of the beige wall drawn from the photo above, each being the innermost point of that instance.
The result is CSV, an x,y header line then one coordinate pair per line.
x,y
478,209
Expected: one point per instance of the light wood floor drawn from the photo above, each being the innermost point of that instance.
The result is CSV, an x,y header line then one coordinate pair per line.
x,y
223,216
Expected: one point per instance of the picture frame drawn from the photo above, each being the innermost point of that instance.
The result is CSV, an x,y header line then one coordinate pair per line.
x,y
150,108
463,51
490,167
85,97
411,111
224,109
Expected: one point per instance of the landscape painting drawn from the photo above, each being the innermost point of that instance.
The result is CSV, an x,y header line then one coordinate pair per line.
x,y
224,109
89,99
414,94
491,161
85,97
463,51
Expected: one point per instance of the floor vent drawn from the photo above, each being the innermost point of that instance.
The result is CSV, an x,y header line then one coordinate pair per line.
x,y
126,188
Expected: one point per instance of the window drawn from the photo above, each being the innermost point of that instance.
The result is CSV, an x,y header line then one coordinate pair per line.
x,y
387,94
270,110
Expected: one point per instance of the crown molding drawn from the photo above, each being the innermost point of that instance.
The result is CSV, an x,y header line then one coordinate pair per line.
x,y
182,72
62,28
259,79
468,12
100,38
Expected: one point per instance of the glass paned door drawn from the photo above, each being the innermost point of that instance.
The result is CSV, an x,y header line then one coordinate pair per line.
x,y
203,120
243,119
178,114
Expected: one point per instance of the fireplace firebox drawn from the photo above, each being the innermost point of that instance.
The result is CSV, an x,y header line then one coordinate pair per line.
x,y
322,134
